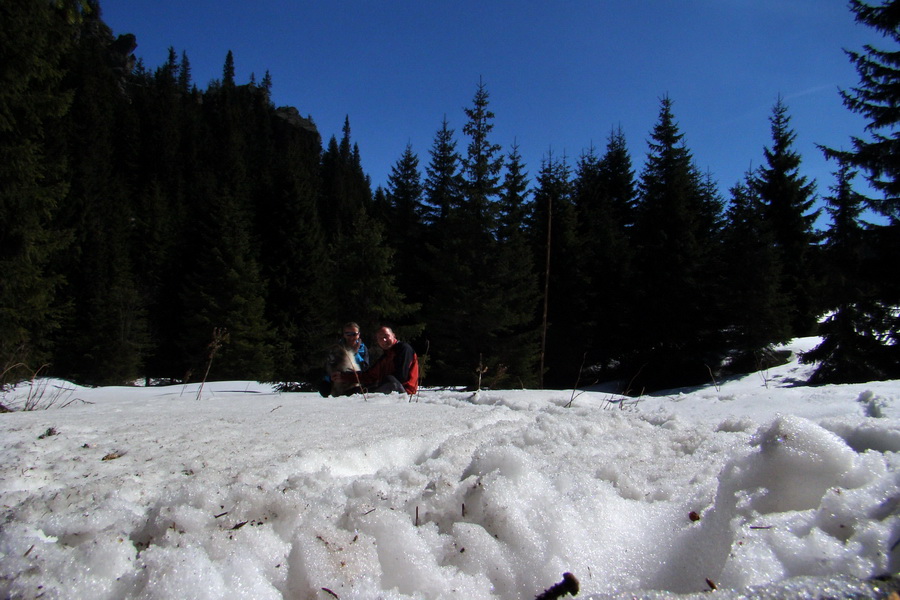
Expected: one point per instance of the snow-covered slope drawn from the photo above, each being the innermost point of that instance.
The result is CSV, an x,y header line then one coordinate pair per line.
x,y
247,493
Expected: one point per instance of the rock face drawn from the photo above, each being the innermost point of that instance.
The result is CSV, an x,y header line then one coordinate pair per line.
x,y
292,116
121,53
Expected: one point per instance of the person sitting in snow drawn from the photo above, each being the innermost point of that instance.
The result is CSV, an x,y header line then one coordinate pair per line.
x,y
396,371
349,356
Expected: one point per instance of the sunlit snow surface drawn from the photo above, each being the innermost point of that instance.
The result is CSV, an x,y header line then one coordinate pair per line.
x,y
759,486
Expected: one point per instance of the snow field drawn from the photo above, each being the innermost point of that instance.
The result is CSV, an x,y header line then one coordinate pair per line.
x,y
249,494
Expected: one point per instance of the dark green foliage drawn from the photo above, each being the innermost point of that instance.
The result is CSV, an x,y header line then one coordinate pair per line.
x,y
473,313
863,335
165,166
34,38
293,253
405,230
875,98
675,236
851,351
787,200
195,221
481,165
223,289
556,254
515,270
366,291
604,196
104,335
758,311
443,182
346,191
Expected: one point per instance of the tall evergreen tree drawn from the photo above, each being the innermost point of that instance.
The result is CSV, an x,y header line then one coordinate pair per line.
x,y
877,99
223,292
671,237
184,74
467,336
443,181
556,256
851,351
442,189
224,288
788,199
346,190
165,138
758,311
367,292
515,270
482,163
34,39
104,338
604,196
405,230
228,71
514,205
294,257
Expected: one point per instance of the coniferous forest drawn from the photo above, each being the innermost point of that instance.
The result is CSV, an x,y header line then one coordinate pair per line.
x,y
149,226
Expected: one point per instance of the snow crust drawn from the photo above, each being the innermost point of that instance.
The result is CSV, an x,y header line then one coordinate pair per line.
x,y
758,486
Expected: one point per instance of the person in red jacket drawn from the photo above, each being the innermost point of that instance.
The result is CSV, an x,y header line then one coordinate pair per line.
x,y
396,371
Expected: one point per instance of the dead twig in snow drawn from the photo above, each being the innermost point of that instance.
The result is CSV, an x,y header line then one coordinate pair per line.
x,y
220,336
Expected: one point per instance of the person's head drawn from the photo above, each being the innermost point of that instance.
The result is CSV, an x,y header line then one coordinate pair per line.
x,y
385,338
350,334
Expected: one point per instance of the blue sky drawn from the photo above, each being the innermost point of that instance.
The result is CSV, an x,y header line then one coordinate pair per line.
x,y
561,75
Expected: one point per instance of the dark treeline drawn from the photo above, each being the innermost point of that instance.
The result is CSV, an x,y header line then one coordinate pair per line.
x,y
146,222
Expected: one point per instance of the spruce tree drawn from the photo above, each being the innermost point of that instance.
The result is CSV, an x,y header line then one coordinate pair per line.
x,y
514,204
346,190
165,160
482,163
294,256
758,311
443,182
467,336
228,71
851,351
184,74
224,288
367,292
104,337
788,199
604,196
34,39
672,239
404,227
877,99
515,270
556,249
223,291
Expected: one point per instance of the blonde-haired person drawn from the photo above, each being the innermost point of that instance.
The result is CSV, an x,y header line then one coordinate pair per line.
x,y
348,355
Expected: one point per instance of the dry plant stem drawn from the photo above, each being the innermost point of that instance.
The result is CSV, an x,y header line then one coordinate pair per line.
x,y
481,370
11,367
763,375
577,381
219,336
356,374
628,389
713,377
